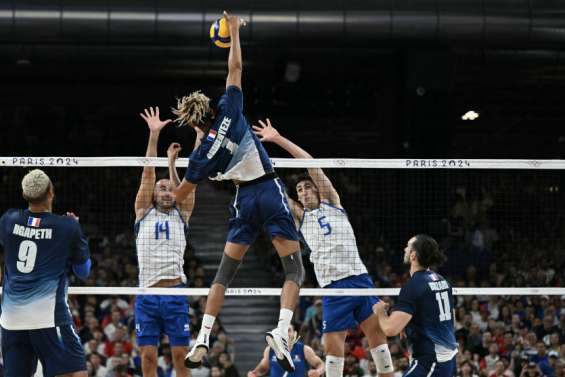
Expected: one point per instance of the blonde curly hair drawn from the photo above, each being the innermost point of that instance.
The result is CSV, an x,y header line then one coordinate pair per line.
x,y
192,109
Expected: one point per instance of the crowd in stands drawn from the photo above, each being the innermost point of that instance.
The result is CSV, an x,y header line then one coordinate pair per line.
x,y
499,336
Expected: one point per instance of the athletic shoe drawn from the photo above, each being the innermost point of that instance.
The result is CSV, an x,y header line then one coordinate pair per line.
x,y
193,359
280,346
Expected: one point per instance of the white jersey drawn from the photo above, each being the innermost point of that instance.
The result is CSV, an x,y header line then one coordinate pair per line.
x,y
330,237
160,242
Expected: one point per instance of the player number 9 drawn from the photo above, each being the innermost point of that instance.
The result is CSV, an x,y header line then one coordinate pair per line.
x,y
26,256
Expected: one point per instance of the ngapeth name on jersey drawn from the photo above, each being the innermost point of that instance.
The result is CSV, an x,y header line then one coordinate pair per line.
x,y
36,233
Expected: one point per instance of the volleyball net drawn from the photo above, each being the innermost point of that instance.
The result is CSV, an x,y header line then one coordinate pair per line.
x,y
499,222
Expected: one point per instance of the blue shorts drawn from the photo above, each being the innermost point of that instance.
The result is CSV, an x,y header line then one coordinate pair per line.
x,y
430,368
259,206
155,315
57,348
347,312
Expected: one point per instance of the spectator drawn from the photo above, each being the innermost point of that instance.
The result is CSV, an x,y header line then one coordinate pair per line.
x,y
491,359
98,370
226,364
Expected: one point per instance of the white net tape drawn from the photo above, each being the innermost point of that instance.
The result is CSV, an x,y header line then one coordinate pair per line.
x,y
342,163
538,291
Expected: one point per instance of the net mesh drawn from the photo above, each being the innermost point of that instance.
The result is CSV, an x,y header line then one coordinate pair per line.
x,y
499,228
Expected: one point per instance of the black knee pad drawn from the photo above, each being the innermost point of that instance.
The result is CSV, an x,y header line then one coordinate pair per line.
x,y
227,270
293,268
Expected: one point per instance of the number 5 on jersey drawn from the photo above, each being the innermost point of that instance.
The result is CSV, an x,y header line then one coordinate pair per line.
x,y
442,299
326,226
26,256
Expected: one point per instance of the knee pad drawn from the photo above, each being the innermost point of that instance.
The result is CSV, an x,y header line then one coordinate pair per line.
x,y
227,270
382,358
293,268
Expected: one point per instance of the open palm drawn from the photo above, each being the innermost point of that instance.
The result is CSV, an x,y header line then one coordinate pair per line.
x,y
266,133
151,117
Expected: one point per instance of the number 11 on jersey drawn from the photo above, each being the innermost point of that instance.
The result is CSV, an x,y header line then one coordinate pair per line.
x,y
442,299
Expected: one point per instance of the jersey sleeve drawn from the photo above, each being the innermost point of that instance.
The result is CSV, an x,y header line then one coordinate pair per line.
x,y
234,97
80,252
406,300
200,165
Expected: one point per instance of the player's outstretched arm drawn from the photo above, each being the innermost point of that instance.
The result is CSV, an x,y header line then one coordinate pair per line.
x,y
184,189
263,367
391,325
187,205
267,133
235,62
144,198
314,361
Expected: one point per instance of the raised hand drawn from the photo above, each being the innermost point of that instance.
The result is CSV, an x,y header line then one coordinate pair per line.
x,y
234,21
199,133
266,133
72,216
173,151
151,117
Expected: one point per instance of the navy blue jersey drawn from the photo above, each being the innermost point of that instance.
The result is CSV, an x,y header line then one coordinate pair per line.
x,y
428,297
39,248
230,150
298,358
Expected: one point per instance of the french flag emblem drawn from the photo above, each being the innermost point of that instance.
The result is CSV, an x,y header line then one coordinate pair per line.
x,y
212,135
434,277
33,221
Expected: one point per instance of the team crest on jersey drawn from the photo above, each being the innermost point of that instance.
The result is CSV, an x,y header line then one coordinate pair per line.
x,y
33,221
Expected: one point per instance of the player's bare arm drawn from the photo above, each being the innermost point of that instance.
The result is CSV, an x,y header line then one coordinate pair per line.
x,y
317,364
391,325
144,197
263,367
187,205
235,63
267,133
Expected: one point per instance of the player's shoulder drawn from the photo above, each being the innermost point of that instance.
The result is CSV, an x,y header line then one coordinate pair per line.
x,y
231,99
415,284
12,213
64,221
327,204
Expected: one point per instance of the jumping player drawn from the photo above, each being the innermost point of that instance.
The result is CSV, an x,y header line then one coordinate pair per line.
x,y
230,151
323,223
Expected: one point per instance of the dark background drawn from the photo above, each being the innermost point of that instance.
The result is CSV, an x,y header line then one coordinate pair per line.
x,y
75,74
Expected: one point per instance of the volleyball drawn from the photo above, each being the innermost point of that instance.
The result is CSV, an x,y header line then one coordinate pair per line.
x,y
220,33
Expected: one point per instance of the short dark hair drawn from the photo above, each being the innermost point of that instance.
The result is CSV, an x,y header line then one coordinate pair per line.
x,y
427,250
304,177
